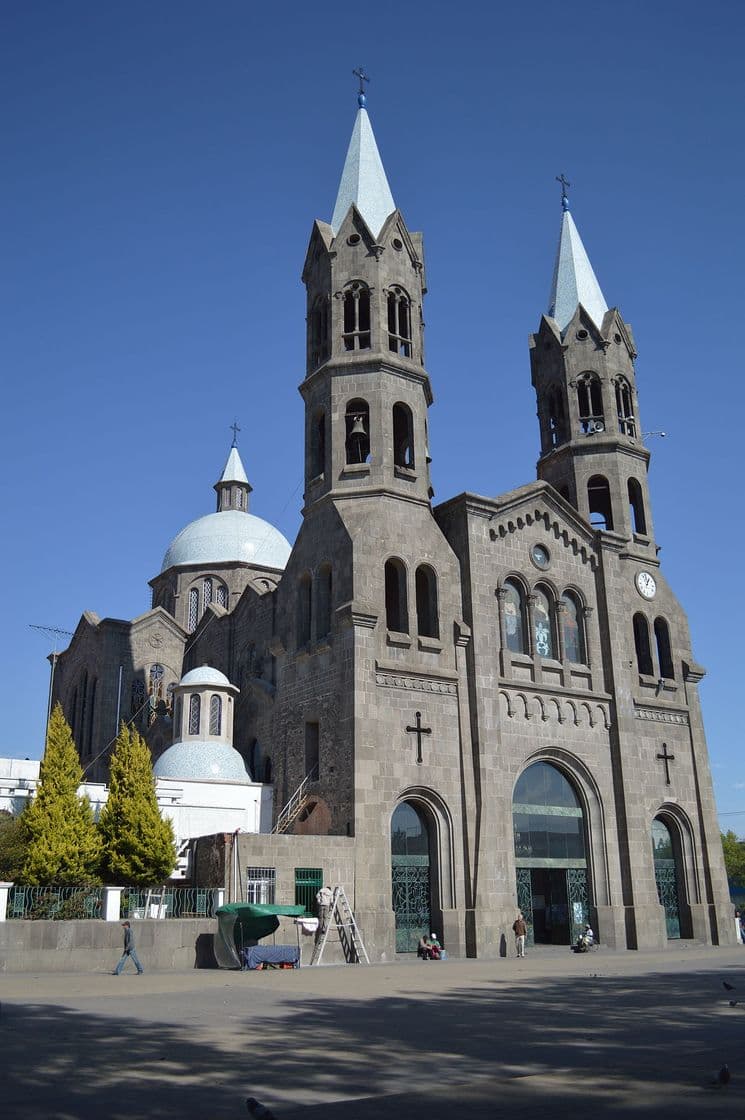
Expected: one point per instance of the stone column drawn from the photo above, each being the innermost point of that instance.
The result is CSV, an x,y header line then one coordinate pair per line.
x,y
112,903
4,892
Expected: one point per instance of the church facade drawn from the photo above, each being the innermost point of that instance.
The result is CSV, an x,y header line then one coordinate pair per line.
x,y
474,707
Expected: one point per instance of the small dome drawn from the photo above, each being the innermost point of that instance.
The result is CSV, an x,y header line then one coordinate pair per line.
x,y
200,761
205,675
231,536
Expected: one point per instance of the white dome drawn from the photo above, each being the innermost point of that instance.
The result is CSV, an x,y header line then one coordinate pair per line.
x,y
228,537
206,675
200,761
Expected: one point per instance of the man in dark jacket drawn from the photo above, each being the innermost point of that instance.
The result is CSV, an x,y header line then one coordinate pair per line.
x,y
129,951
520,929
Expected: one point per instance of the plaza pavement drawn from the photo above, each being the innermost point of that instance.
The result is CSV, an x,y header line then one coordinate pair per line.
x,y
620,1035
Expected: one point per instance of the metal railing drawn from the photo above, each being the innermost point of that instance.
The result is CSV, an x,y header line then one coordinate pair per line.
x,y
295,804
55,903
172,902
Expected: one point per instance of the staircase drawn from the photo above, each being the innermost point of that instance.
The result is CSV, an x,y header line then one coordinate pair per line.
x,y
296,804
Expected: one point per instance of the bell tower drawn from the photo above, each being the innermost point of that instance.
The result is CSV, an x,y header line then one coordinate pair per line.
x,y
582,363
366,390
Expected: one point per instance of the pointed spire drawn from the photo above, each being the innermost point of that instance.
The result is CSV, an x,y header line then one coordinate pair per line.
x,y
233,486
574,281
363,180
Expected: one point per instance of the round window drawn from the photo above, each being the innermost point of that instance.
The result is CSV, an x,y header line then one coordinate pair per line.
x,y
582,335
540,556
353,239
397,243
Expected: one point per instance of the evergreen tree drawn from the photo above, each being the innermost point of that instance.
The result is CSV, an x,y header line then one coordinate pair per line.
x,y
13,847
64,846
734,858
139,845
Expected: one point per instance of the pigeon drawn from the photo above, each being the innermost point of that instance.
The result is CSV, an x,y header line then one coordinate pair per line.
x,y
728,987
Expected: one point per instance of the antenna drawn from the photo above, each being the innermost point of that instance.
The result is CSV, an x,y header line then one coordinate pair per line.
x,y
55,632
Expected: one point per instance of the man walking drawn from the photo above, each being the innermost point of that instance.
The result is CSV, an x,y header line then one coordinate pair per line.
x,y
520,930
129,951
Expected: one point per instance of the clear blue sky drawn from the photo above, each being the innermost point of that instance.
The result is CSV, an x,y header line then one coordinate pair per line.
x,y
162,166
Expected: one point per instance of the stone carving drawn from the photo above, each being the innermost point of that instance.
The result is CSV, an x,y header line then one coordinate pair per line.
x,y
415,684
656,715
555,709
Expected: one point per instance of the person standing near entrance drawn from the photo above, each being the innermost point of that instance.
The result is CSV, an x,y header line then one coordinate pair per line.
x,y
520,930
129,951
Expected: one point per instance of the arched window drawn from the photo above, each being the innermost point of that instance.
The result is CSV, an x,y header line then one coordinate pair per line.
x,y
598,498
357,442
427,615
157,673
83,711
396,599
572,630
318,445
304,600
514,617
206,593
92,715
137,697
193,609
543,624
556,418
403,436
357,317
177,712
624,407
399,322
324,589
636,507
215,715
194,710
642,646
666,876
410,872
222,595
590,404
319,332
664,652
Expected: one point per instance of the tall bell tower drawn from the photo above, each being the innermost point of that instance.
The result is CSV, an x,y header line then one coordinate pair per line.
x,y
582,362
366,390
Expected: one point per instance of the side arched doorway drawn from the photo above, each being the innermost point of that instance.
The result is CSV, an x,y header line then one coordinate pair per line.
x,y
410,873
550,860
666,853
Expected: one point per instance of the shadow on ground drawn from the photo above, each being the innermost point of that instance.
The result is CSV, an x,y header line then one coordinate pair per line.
x,y
590,1045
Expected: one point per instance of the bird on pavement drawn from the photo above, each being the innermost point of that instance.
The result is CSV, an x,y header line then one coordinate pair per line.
x,y
728,987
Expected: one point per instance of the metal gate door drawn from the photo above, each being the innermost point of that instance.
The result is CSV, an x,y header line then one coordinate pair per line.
x,y
410,900
666,877
579,908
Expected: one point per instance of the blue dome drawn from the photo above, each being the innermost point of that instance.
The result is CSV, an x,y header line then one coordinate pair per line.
x,y
200,761
228,537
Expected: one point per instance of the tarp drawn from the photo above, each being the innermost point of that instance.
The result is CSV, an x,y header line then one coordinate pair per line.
x,y
242,923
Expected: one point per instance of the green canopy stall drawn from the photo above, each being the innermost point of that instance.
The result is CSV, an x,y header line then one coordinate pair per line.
x,y
242,924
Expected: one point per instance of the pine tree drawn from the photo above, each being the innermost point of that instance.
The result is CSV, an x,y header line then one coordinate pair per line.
x,y
139,845
64,846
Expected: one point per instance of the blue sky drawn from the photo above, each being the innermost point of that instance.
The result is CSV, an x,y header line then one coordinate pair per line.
x,y
162,166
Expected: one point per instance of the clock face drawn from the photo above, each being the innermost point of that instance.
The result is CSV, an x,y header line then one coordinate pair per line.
x,y
646,585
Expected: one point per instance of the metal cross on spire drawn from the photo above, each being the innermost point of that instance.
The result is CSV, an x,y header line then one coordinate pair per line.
x,y
235,430
360,73
564,185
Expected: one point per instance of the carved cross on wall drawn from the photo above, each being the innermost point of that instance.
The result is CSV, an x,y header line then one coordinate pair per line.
x,y
667,759
418,730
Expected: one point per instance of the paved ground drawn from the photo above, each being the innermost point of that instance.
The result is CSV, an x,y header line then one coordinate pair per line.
x,y
606,1034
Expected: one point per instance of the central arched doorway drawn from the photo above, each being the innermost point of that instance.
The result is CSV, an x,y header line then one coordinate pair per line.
x,y
551,865
410,871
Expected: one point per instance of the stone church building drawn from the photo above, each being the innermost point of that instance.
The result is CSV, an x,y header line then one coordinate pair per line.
x,y
471,707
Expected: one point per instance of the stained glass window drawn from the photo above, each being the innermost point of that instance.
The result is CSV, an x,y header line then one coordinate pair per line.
x,y
193,608
194,707
574,641
137,696
215,716
514,617
542,627
547,817
222,595
207,592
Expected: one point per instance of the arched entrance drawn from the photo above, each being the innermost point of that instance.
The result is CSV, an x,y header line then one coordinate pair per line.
x,y
666,876
410,870
549,831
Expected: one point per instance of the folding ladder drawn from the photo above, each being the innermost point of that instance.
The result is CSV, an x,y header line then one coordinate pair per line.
x,y
341,919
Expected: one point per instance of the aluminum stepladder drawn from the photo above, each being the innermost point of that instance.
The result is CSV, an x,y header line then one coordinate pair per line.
x,y
341,919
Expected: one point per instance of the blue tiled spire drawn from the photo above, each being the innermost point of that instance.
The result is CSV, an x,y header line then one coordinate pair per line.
x,y
363,180
574,281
